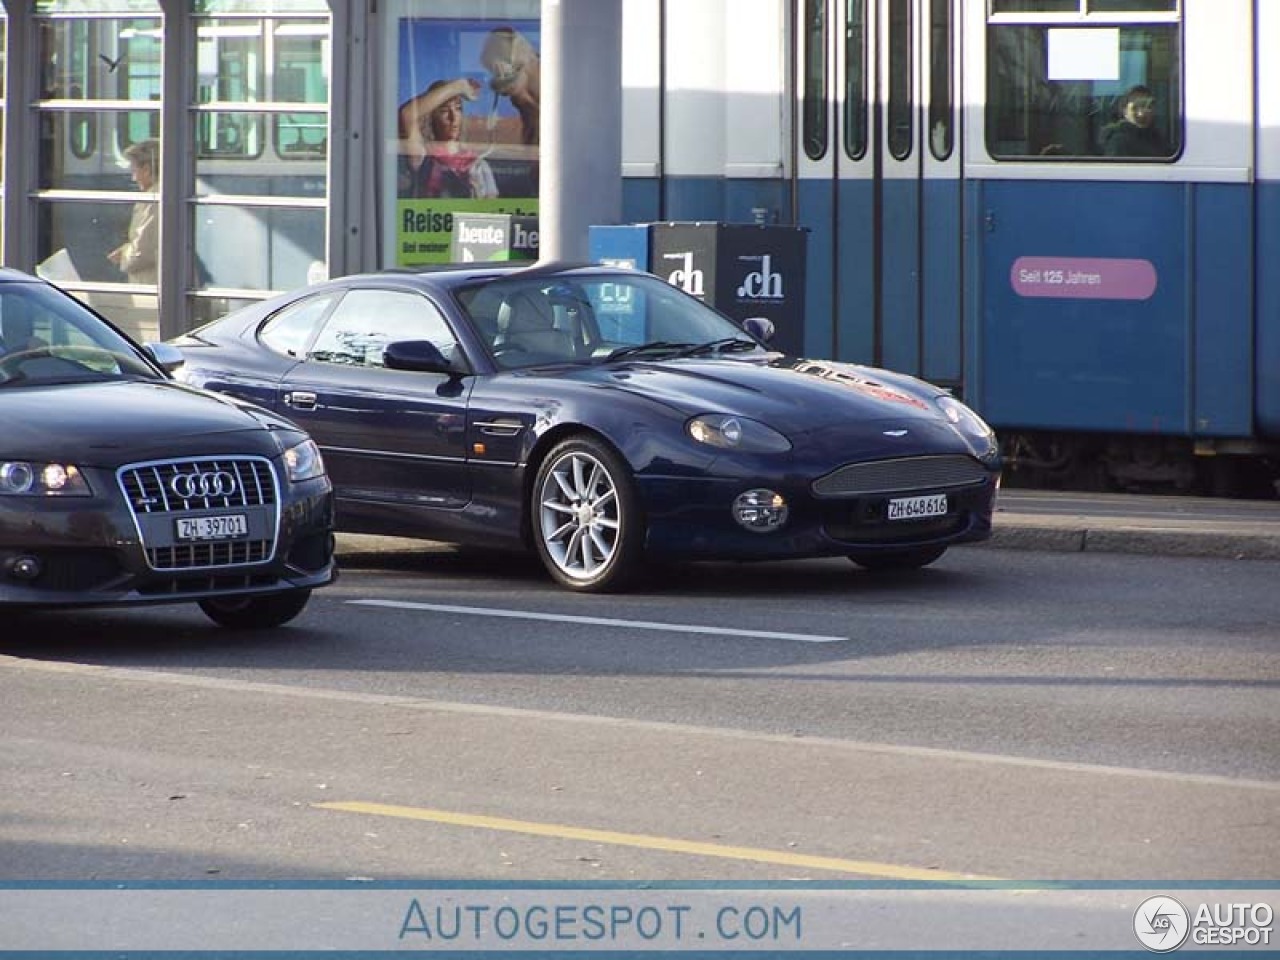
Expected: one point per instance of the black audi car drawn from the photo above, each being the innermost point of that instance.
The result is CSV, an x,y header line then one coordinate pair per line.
x,y
119,485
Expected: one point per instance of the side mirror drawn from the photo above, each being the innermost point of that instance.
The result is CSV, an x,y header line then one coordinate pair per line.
x,y
420,355
168,357
761,328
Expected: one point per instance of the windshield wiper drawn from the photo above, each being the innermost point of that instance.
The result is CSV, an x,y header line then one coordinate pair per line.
x,y
653,346
723,345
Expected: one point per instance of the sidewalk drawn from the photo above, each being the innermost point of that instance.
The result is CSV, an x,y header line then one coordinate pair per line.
x,y
1124,523
1063,523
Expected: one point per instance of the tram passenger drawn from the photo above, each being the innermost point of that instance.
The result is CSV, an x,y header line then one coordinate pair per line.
x,y
437,162
137,256
1135,133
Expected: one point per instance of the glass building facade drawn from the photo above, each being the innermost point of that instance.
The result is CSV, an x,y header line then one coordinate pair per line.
x,y
169,160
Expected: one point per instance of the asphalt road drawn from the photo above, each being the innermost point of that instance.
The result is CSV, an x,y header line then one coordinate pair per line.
x,y
1012,714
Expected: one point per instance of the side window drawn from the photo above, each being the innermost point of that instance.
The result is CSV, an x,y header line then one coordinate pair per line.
x,y
941,52
289,330
1107,85
855,91
899,109
814,115
362,325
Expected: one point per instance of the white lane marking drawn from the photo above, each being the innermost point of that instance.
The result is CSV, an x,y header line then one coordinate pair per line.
x,y
788,740
597,621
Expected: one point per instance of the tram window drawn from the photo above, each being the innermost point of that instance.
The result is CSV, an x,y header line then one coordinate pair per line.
x,y
300,76
1035,6
1133,6
855,94
138,77
1033,114
229,69
900,112
814,115
66,50
941,133
224,134
300,73
137,66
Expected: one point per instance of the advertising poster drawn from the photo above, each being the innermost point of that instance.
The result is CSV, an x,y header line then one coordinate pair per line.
x,y
467,121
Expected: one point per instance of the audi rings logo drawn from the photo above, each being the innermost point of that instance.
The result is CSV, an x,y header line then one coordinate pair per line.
x,y
1161,923
215,483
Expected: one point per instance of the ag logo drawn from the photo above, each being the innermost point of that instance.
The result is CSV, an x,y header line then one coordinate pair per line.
x,y
1161,924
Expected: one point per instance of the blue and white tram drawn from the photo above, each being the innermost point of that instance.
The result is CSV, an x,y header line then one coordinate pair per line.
x,y
977,215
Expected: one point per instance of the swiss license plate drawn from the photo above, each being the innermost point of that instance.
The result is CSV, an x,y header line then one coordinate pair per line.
x,y
917,508
226,526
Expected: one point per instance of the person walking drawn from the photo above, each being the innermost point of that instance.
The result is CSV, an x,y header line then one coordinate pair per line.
x,y
137,257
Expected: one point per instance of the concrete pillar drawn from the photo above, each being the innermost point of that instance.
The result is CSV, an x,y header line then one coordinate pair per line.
x,y
580,174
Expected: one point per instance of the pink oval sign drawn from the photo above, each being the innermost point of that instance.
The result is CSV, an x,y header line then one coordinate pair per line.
x,y
1090,278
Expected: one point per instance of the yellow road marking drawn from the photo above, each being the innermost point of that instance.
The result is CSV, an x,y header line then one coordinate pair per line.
x,y
667,844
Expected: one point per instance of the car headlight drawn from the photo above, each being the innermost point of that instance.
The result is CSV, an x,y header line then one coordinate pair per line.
x,y
967,423
736,433
20,478
304,461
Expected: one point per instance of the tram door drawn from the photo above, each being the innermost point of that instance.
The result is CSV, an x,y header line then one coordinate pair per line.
x,y
878,170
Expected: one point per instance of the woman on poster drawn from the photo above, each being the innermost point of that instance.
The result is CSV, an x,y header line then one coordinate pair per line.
x,y
437,161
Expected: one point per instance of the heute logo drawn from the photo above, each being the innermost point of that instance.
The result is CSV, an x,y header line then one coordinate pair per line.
x,y
762,284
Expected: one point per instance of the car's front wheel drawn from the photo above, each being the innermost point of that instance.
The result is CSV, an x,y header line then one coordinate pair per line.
x,y
586,518
912,559
255,613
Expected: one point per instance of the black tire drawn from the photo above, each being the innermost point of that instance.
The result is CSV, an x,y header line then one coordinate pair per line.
x,y
911,559
585,517
255,613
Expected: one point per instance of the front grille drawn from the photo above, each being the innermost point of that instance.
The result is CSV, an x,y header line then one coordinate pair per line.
x,y
164,492
900,476
182,486
219,553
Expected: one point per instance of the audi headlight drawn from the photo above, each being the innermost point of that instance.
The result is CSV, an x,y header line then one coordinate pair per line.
x,y
967,423
19,478
736,433
304,461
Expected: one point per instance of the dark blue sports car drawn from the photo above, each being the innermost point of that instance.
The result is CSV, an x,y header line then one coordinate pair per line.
x,y
602,418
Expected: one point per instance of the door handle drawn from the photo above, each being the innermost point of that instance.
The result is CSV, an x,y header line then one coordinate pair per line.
x,y
300,400
990,221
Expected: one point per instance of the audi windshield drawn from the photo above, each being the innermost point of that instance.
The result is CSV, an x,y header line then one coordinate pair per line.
x,y
48,337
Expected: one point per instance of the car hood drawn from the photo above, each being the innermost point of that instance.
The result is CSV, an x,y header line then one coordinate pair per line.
x,y
789,394
105,424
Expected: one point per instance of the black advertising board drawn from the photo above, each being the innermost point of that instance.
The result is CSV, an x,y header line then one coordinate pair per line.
x,y
743,270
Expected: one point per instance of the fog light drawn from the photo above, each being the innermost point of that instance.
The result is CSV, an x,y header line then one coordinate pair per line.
x,y
760,510
23,567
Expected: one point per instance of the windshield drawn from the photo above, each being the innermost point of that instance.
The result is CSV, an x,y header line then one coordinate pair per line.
x,y
595,318
47,337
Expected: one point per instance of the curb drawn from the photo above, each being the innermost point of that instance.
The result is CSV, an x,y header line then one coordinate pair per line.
x,y
1078,535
